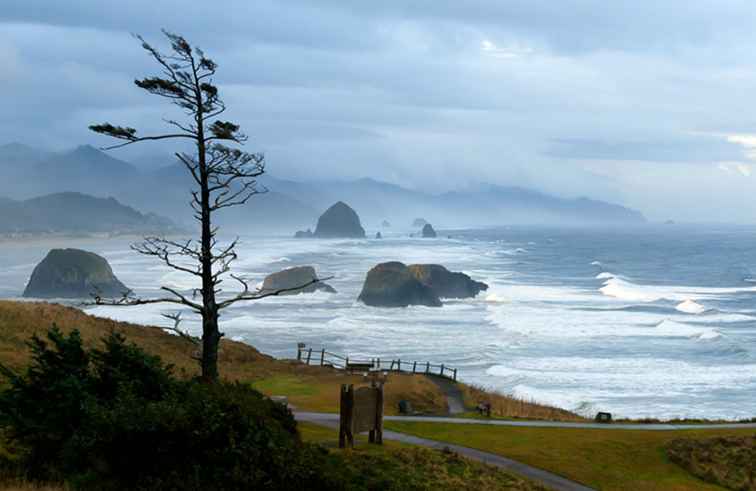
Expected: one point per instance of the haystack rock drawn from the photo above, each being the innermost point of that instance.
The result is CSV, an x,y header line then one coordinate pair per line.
x,y
445,283
428,232
339,221
293,278
378,235
392,284
73,273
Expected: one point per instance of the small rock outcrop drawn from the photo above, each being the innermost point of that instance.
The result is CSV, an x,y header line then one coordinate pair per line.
x,y
445,283
419,222
392,284
306,234
428,232
293,278
73,273
339,221
378,235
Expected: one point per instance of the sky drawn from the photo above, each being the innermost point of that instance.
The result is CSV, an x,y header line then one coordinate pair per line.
x,y
648,104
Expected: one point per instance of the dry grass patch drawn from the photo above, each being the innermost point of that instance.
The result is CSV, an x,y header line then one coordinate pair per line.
x,y
311,388
509,407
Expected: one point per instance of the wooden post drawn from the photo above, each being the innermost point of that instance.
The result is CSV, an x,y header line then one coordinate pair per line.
x,y
309,355
399,365
322,356
442,369
427,367
455,374
379,364
379,414
300,347
346,412
414,366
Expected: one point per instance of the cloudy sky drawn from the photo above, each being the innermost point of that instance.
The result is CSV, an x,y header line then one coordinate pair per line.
x,y
651,104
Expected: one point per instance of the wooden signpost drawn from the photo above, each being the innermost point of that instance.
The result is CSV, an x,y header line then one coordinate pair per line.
x,y
361,410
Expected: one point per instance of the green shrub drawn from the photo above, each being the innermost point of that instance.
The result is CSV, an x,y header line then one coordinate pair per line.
x,y
116,418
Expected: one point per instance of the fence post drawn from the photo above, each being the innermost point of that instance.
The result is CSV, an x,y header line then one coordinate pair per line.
x,y
322,356
399,365
442,369
455,374
309,355
414,366
379,364
427,367
300,347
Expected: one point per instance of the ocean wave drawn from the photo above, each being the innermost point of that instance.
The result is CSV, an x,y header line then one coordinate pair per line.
x,y
690,307
623,289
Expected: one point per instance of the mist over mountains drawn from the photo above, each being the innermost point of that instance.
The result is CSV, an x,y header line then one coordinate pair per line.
x,y
26,172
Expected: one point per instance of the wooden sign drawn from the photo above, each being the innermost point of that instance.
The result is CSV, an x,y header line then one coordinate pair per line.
x,y
361,410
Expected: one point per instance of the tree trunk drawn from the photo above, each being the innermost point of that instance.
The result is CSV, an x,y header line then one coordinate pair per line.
x,y
210,333
210,342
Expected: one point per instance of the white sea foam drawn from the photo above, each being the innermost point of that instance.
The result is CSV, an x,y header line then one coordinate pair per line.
x,y
604,276
690,307
596,263
623,289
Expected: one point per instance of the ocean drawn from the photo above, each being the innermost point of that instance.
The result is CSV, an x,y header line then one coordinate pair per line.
x,y
654,321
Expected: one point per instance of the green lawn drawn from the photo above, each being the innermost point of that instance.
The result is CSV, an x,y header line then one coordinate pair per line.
x,y
604,459
400,467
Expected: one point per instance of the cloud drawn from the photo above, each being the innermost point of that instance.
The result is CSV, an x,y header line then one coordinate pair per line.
x,y
581,98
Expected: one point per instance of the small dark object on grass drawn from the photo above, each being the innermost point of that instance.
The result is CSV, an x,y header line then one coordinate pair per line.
x,y
604,418
484,409
405,407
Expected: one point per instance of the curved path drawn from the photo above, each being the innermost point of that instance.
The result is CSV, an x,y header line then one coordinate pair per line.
x,y
546,424
548,479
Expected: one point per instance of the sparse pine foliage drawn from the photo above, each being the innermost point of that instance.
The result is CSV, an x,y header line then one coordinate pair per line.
x,y
223,176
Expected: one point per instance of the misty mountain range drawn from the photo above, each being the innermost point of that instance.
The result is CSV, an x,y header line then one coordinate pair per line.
x,y
26,172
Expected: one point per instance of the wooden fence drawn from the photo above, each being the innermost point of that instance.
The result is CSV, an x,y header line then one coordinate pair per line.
x,y
321,357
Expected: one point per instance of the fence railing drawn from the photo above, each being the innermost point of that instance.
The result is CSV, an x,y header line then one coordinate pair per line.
x,y
310,356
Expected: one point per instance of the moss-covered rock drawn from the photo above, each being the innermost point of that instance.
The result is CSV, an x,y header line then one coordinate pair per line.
x,y
73,273
293,278
445,283
340,220
392,284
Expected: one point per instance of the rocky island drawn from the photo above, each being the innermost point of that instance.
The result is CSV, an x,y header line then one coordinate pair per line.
x,y
339,221
73,273
293,278
392,284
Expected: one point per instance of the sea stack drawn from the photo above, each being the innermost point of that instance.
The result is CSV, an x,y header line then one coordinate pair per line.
x,y
392,284
294,278
378,235
339,221
73,273
445,283
428,232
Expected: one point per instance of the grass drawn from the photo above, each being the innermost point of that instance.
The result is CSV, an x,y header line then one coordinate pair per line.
x,y
604,459
727,461
505,406
397,466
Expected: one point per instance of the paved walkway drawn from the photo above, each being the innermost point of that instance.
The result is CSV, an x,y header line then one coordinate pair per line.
x,y
548,479
549,424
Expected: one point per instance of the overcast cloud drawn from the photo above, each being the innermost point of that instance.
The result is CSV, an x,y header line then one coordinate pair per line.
x,y
643,104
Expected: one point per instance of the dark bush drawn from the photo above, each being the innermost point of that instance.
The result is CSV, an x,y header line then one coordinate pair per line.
x,y
117,419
